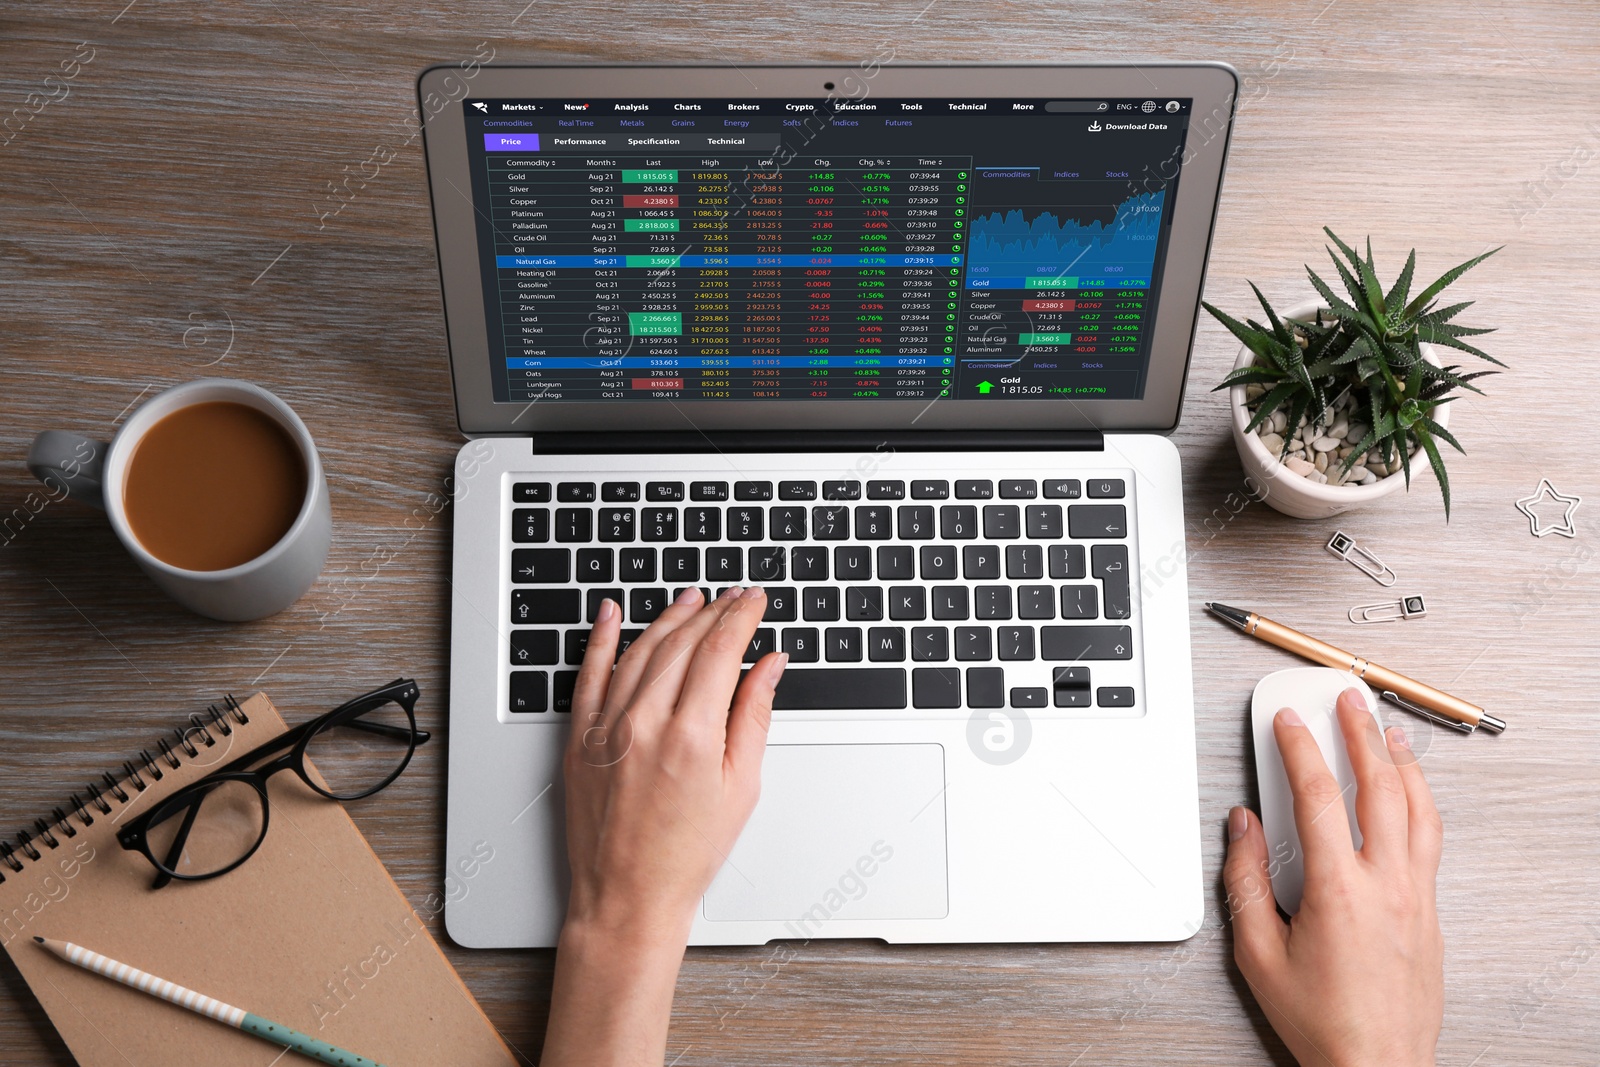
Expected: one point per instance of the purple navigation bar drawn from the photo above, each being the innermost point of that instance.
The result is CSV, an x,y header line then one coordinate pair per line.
x,y
511,142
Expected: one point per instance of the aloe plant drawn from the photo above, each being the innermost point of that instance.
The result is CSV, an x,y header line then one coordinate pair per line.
x,y
1366,342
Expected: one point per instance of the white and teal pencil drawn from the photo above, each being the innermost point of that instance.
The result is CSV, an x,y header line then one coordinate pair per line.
x,y
237,1018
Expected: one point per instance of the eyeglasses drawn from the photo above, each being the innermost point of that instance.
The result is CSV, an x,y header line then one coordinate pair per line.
x,y
213,825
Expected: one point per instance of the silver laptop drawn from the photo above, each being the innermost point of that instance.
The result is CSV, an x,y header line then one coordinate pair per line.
x,y
900,344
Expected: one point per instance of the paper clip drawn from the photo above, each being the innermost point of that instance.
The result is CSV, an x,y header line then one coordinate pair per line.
x,y
1344,546
1407,607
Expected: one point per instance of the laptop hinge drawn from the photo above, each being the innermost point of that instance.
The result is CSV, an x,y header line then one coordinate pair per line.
x,y
819,441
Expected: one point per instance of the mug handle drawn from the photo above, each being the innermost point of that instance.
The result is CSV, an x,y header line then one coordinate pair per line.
x,y
75,461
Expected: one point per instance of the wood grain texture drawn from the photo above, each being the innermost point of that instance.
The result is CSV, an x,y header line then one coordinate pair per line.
x,y
170,215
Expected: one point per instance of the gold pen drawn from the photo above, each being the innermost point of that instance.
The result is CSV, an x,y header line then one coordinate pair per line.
x,y
1425,700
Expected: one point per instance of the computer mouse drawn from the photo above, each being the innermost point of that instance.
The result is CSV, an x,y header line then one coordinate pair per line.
x,y
1314,693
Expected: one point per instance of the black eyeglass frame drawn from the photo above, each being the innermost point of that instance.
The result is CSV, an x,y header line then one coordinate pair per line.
x,y
135,836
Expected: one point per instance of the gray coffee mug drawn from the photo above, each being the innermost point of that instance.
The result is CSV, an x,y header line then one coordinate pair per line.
x,y
95,472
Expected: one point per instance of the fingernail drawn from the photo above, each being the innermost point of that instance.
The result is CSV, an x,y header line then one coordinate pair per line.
x,y
1290,717
731,593
608,608
783,663
1238,823
1398,738
688,595
752,592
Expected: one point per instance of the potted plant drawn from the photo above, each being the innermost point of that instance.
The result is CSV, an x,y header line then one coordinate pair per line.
x,y
1333,400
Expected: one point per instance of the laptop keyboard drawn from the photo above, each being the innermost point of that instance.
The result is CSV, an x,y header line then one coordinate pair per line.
x,y
889,595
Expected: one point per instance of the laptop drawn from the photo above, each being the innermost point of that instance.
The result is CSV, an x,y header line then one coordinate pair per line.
x,y
900,344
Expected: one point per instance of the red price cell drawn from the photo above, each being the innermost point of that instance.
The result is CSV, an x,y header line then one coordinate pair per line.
x,y
1049,305
658,383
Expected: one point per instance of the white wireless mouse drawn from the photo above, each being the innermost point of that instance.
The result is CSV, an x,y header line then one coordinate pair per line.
x,y
1313,692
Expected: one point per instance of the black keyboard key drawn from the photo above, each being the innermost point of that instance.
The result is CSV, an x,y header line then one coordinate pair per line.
x,y
852,563
529,606
978,489
783,605
1028,697
724,565
530,525
619,492
841,689
530,493
529,690
915,523
574,525
936,687
788,524
797,490
1111,567
752,490
986,687
702,524
1015,642
1024,561
746,524
973,643
896,563
658,524
908,602
1106,489
1080,602
766,564
874,523
991,602
841,490
625,640
764,640
1068,561
1079,643
663,492
863,603
842,644
950,602
958,522
596,565
1019,489
801,643
1036,602
1071,686
564,685
541,566
646,605
708,490
534,646
593,598
930,644
616,524
1097,521
830,523
1003,522
680,565
1062,489
938,562
886,644
575,492
808,564
637,565
1044,521
980,561
1114,696
886,490
932,490
577,645
820,603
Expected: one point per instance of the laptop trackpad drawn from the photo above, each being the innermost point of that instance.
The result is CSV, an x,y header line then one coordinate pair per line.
x,y
841,832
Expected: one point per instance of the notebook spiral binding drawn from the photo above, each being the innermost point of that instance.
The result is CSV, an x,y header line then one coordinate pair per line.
x,y
135,779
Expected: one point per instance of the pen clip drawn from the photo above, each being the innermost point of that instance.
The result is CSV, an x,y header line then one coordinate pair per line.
x,y
1431,716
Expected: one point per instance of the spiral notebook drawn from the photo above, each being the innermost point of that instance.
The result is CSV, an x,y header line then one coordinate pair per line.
x,y
311,932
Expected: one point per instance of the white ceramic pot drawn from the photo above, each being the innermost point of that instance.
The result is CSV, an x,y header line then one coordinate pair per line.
x,y
1287,491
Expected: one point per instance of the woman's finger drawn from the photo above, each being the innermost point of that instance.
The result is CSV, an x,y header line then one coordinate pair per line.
x,y
1319,813
714,670
625,679
1259,936
594,677
661,681
1425,830
1380,797
751,717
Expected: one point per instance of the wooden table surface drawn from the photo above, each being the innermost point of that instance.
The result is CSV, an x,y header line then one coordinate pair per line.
x,y
192,200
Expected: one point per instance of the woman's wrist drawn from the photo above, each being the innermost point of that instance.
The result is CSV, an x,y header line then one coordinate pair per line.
x,y
612,1001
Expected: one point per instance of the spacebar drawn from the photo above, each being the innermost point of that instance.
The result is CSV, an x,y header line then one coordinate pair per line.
x,y
841,689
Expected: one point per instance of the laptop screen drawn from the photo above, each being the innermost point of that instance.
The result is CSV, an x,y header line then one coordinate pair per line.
x,y
693,249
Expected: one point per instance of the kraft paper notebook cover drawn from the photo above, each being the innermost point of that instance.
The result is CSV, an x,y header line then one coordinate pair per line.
x,y
310,932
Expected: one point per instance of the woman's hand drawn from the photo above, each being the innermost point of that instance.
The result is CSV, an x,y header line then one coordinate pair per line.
x,y
1357,977
662,769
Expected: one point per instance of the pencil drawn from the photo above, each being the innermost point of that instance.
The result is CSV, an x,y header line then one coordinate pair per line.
x,y
237,1018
